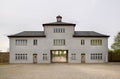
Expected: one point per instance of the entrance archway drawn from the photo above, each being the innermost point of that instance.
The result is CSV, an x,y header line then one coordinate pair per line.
x,y
59,56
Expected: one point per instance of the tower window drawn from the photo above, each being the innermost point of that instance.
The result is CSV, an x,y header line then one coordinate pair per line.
x,y
59,30
59,42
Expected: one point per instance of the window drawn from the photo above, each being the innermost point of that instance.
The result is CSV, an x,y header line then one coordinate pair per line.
x,y
82,42
73,56
20,56
96,56
34,42
59,42
20,42
59,30
96,42
44,56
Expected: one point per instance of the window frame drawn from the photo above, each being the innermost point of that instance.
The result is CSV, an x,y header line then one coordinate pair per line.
x,y
96,42
21,56
59,42
59,30
45,57
73,56
35,42
82,42
96,56
21,42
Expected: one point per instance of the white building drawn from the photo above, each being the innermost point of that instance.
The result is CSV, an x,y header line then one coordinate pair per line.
x,y
59,42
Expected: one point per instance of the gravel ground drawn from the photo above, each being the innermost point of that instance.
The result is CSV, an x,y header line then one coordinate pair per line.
x,y
60,71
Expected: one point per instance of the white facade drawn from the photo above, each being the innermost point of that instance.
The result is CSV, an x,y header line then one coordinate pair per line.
x,y
41,52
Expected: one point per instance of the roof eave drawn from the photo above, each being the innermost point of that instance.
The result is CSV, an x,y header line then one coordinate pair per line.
x,y
90,36
59,25
25,36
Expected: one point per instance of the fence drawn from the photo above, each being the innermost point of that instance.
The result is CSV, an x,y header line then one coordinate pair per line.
x,y
114,57
4,57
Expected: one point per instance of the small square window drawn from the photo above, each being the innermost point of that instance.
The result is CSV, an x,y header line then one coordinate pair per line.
x,y
45,57
82,42
73,56
34,42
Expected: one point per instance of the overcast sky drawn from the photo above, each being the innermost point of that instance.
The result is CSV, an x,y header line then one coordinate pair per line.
x,y
102,16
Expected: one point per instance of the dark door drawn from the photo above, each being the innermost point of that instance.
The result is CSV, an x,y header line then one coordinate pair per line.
x,y
34,58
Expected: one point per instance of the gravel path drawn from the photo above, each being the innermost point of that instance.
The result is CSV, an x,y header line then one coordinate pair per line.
x,y
60,71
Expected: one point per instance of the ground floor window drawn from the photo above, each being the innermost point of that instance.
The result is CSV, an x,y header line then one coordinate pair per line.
x,y
96,56
73,56
45,57
20,56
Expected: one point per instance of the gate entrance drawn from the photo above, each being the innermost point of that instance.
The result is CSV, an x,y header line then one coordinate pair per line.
x,y
59,56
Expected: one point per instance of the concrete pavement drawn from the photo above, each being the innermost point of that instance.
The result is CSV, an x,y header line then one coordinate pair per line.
x,y
60,71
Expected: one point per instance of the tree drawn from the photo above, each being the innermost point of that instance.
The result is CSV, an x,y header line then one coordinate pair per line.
x,y
116,44
110,51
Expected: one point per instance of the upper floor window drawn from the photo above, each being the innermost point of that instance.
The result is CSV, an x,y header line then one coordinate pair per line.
x,y
59,30
59,42
96,42
35,42
82,42
21,42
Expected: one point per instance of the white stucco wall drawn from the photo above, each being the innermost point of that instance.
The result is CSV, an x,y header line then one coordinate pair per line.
x,y
45,44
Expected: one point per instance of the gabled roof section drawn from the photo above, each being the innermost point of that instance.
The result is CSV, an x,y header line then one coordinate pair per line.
x,y
88,34
59,22
29,34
